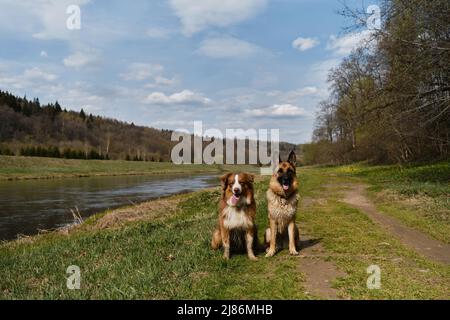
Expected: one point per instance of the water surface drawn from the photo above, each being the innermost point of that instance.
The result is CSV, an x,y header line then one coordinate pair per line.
x,y
30,205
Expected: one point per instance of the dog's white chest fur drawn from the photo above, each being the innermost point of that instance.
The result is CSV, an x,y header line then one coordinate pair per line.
x,y
281,210
235,218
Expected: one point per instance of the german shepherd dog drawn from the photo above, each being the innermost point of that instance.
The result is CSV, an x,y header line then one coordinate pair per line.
x,y
237,210
282,199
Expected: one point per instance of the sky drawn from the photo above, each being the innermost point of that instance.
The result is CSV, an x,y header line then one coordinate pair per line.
x,y
232,64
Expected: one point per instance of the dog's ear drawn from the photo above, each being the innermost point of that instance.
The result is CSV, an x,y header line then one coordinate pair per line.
x,y
279,159
250,177
224,180
292,159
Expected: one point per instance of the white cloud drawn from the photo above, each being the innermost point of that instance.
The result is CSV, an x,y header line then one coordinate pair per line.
x,y
294,94
30,79
153,72
279,110
344,45
159,33
38,74
196,15
227,47
185,97
301,95
159,82
44,54
47,20
303,44
80,95
142,71
47,16
80,59
305,91
318,72
165,81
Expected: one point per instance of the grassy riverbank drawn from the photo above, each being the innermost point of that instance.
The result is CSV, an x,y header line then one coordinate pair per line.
x,y
160,249
19,168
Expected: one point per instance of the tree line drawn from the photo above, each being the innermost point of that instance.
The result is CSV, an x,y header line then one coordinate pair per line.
x,y
390,98
28,128
54,152
31,129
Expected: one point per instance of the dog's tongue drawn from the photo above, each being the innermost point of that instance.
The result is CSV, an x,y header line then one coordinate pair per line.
x,y
285,187
234,200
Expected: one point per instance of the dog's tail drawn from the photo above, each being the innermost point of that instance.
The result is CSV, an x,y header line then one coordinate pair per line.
x,y
216,241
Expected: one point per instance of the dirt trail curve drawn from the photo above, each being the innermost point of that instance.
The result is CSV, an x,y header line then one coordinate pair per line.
x,y
430,248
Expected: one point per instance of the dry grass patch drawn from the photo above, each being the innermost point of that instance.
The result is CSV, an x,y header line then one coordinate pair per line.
x,y
151,210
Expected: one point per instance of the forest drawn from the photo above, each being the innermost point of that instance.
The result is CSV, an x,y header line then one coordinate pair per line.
x,y
390,99
34,130
31,129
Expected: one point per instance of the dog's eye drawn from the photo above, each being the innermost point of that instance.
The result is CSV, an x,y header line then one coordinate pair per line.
x,y
280,171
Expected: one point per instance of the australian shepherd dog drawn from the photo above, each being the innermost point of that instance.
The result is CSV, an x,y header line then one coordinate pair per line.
x,y
282,199
236,229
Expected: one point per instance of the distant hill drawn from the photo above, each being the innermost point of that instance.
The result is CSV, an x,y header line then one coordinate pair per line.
x,y
28,124
31,129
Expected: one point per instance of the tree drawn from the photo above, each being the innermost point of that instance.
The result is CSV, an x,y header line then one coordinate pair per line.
x,y
82,115
391,98
58,107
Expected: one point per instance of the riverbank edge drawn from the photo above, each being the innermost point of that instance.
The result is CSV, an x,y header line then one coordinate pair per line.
x,y
15,168
84,226
110,174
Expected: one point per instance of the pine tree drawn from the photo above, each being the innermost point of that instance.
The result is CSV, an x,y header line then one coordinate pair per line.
x,y
82,114
58,107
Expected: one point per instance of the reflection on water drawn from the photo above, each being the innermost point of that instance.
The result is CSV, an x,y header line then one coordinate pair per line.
x,y
27,206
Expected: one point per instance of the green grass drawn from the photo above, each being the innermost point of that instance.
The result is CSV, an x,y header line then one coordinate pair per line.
x,y
170,257
13,168
432,180
418,195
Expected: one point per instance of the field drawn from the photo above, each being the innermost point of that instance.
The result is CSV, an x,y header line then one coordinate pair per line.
x,y
160,249
19,168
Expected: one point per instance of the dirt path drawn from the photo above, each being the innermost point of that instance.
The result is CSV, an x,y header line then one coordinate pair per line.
x,y
422,243
318,272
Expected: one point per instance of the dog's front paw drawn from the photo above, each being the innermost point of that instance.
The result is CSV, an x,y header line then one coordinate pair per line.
x,y
270,253
226,257
253,258
293,252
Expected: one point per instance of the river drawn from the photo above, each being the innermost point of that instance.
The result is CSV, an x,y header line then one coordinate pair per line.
x,y
27,206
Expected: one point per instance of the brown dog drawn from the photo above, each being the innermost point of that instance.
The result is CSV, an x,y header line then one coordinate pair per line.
x,y
282,199
237,211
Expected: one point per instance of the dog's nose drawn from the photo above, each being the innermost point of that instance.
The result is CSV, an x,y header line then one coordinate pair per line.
x,y
236,190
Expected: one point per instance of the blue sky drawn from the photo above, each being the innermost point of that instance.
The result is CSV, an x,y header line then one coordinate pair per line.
x,y
167,63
